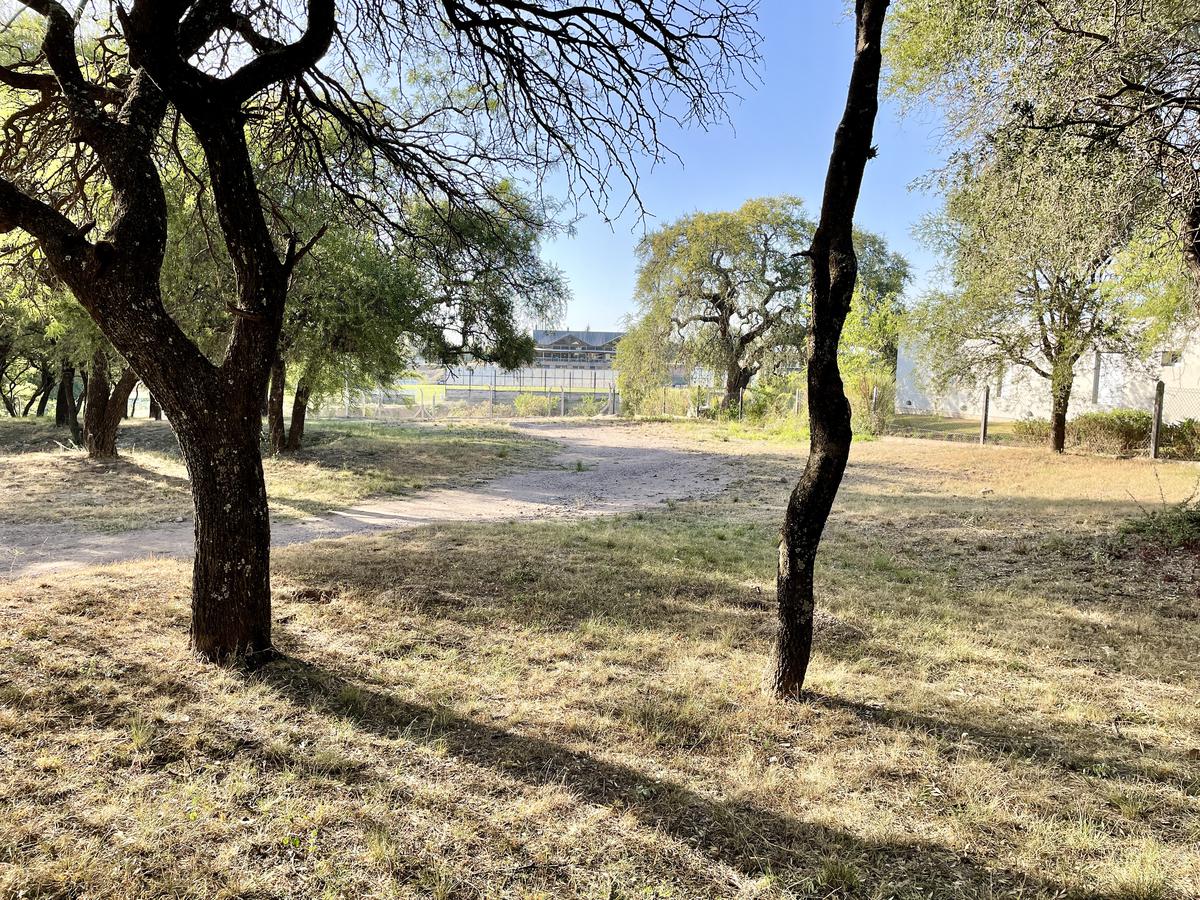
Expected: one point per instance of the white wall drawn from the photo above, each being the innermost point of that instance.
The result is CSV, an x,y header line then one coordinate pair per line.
x,y
1102,382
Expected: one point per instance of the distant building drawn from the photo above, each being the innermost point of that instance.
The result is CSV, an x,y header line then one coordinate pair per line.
x,y
567,349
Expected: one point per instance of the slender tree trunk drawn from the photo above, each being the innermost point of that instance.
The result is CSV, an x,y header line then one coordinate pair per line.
x,y
41,396
295,438
64,404
1059,401
8,404
105,407
47,387
835,270
275,406
155,410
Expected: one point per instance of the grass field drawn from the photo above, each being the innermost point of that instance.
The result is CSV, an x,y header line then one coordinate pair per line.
x,y
42,480
1004,705
942,426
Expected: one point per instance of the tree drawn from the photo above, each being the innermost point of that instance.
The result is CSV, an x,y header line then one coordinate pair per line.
x,y
1120,74
533,85
834,276
729,287
1032,238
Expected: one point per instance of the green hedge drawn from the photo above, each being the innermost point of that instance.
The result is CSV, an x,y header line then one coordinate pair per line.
x,y
1123,431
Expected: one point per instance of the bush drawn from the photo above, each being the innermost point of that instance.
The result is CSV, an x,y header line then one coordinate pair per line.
x,y
872,396
589,405
1034,431
533,405
1182,439
1175,525
1121,431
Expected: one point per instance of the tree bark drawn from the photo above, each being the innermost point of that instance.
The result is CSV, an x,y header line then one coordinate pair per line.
x,y
105,407
41,396
155,409
737,379
834,273
275,406
295,438
1059,401
231,590
47,387
1191,241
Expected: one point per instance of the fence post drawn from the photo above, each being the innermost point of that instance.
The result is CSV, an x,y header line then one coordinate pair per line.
x,y
983,419
562,401
1156,424
742,404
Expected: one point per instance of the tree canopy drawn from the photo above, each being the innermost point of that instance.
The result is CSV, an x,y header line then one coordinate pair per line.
x,y
1119,75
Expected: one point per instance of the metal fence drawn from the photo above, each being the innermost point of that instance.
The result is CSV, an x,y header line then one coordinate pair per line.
x,y
483,393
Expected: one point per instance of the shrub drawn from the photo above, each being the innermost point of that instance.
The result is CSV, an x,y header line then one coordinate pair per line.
x,y
589,405
872,396
1035,431
1175,525
533,404
1182,439
1121,431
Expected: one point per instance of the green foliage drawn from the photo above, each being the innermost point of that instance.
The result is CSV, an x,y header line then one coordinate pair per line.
x,y
533,404
1120,79
727,290
773,399
1032,243
872,395
1123,432
587,406
1174,525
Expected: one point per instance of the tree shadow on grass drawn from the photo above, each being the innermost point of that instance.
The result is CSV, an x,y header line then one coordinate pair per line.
x,y
752,840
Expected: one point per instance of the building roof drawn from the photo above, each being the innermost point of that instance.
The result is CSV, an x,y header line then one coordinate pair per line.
x,y
548,338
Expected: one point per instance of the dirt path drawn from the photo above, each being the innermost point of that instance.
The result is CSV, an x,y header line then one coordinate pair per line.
x,y
602,469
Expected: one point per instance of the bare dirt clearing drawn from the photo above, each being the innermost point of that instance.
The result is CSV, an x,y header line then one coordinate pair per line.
x,y
598,469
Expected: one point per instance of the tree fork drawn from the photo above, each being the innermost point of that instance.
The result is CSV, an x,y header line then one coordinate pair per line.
x,y
834,273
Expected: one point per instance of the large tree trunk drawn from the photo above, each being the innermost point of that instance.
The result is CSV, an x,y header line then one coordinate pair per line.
x,y
835,270
105,407
737,379
231,589
295,438
155,410
275,406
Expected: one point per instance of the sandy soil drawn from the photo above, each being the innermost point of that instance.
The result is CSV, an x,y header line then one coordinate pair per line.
x,y
602,469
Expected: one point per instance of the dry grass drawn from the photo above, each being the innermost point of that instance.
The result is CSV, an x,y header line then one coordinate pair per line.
x,y
1004,706
45,480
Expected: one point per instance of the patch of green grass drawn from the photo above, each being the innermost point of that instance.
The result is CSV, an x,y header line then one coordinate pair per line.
x,y
1174,525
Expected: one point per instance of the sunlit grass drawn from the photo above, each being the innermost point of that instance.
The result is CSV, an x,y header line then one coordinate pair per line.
x,y
45,480
1003,705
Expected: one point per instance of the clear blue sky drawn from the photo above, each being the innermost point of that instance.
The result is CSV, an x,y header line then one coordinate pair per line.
x,y
778,143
